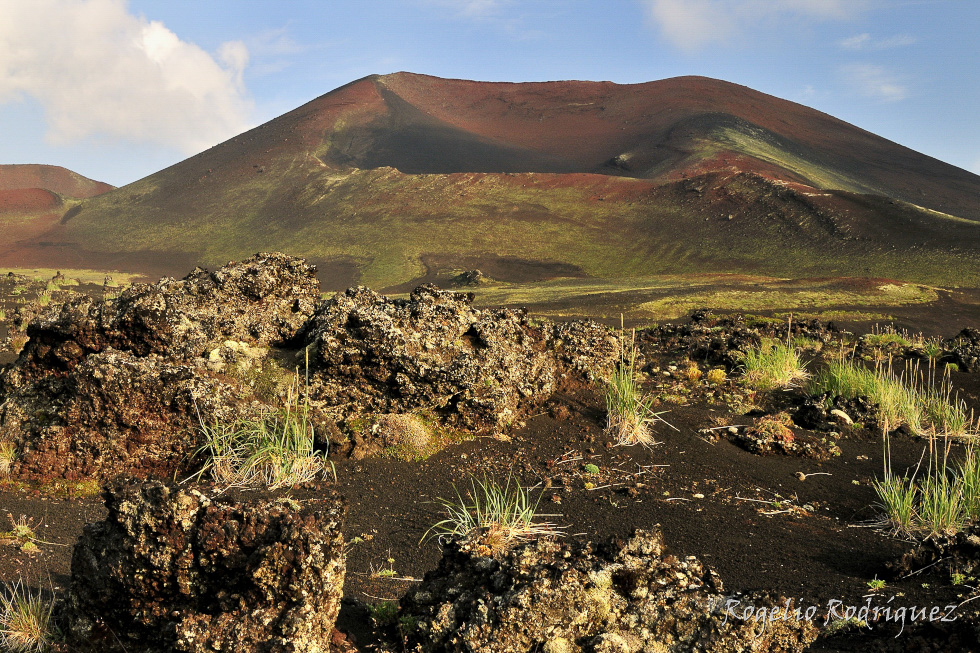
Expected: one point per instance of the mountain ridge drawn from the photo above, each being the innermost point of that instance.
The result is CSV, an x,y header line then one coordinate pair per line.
x,y
381,177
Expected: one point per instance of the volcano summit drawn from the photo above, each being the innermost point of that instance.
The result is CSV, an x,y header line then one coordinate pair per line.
x,y
394,179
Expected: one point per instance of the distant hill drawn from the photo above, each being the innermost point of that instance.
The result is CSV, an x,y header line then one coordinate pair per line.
x,y
51,178
33,198
399,178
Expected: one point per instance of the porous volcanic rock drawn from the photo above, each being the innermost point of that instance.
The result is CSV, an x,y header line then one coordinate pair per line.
x,y
627,596
112,413
817,412
942,555
119,385
966,350
262,300
173,569
479,370
724,339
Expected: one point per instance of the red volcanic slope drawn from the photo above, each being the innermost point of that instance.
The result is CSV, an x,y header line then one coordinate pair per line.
x,y
422,124
28,200
51,178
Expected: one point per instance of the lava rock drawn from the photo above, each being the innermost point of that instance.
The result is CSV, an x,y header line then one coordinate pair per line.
x,y
479,370
627,596
262,300
174,569
120,386
966,350
942,556
724,339
113,413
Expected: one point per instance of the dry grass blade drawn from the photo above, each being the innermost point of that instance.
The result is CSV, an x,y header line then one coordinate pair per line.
x,y
25,620
504,514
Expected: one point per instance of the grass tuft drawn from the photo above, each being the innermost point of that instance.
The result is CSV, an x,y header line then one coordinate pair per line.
x,y
8,454
629,412
274,449
773,364
26,625
923,404
940,504
503,514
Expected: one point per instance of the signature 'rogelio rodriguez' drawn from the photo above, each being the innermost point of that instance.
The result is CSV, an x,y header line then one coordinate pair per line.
x,y
837,610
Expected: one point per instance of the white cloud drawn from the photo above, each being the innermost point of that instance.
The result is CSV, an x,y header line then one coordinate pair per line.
x,y
866,42
856,42
692,24
874,82
99,71
471,8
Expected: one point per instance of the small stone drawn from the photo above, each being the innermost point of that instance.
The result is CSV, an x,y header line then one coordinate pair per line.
x,y
841,416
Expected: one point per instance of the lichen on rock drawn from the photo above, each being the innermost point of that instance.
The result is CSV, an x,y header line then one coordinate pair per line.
x,y
173,569
120,386
627,596
113,413
479,370
262,300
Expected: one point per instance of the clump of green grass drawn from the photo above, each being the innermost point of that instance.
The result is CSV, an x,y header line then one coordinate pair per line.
x,y
898,497
942,503
886,338
924,405
26,625
629,412
503,514
969,475
274,449
773,364
384,613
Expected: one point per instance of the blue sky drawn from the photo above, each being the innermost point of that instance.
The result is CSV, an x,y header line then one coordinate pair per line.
x,y
117,90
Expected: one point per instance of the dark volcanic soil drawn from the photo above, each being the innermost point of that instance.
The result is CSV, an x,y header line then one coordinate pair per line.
x,y
747,516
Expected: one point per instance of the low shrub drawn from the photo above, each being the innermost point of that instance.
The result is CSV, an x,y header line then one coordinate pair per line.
x,y
693,373
17,342
716,376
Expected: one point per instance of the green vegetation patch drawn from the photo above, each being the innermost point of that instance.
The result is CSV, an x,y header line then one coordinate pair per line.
x,y
773,364
766,298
